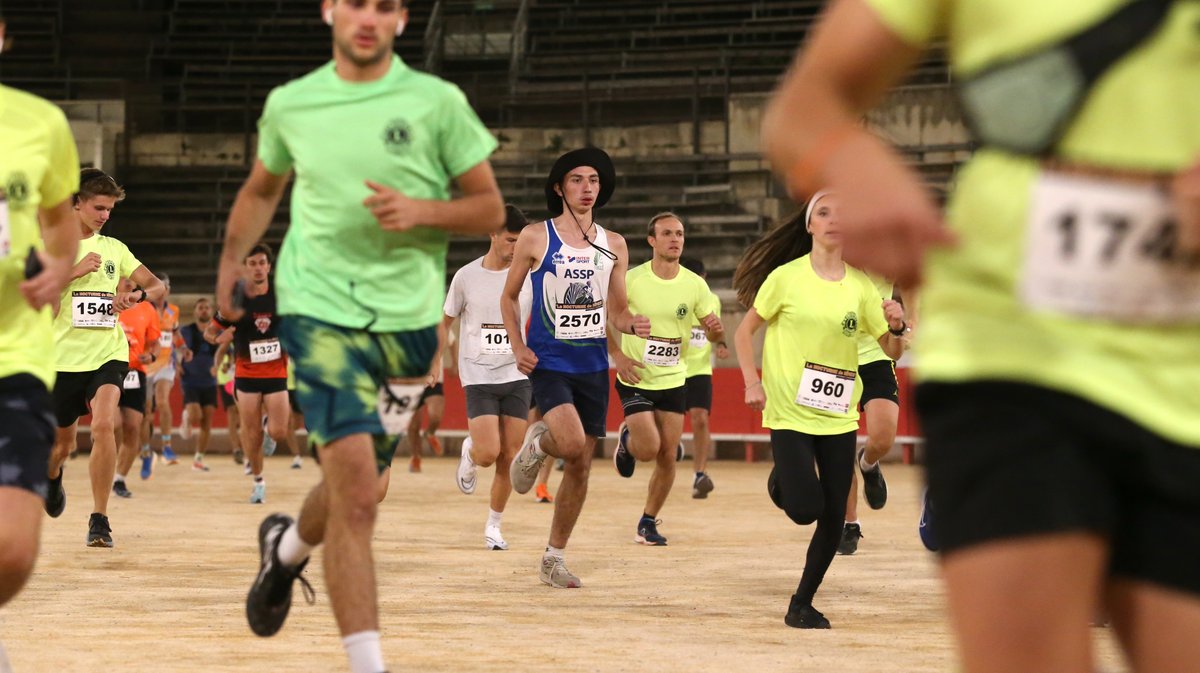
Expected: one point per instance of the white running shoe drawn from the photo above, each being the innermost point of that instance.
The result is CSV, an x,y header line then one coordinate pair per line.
x,y
554,572
525,467
492,539
466,471
259,495
297,463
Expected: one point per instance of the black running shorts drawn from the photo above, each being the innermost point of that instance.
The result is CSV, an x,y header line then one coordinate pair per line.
x,y
699,392
133,396
878,382
26,433
205,396
74,391
636,400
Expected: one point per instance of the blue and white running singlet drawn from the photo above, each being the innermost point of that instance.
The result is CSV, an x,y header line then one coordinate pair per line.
x,y
567,323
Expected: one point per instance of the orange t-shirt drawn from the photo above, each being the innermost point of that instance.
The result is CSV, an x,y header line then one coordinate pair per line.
x,y
141,325
168,338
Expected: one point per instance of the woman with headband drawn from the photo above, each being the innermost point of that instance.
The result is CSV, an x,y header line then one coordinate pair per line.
x,y
814,305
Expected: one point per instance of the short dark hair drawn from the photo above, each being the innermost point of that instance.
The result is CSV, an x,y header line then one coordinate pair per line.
x,y
693,264
514,219
661,216
94,182
204,300
260,249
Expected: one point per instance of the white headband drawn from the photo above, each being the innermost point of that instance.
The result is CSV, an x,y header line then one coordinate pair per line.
x,y
812,203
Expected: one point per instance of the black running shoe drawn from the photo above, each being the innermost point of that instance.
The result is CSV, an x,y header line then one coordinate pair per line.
x,y
623,460
804,617
99,532
851,534
773,489
647,533
121,490
56,497
702,486
270,596
874,487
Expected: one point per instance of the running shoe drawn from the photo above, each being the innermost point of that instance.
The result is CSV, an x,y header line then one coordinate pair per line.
x,y
99,532
198,464
647,533
622,459
259,495
169,456
270,596
702,486
466,469
525,467
56,497
874,487
543,494
851,534
493,540
801,616
268,445
414,464
120,489
297,463
239,456
555,573
925,525
147,463
434,444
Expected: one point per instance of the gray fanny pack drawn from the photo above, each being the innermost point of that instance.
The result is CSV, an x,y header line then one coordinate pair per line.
x,y
1026,104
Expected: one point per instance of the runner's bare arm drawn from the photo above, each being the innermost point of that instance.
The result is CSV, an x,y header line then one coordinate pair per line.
x,y
60,232
530,243
248,220
618,298
743,343
142,277
893,344
846,67
480,210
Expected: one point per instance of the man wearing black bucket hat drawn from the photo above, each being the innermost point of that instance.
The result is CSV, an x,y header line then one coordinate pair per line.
x,y
578,273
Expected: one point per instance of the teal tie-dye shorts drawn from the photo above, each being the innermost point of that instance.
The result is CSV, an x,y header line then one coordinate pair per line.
x,y
339,372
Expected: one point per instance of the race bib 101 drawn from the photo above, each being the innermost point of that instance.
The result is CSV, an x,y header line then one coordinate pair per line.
x,y
493,340
662,352
397,402
826,388
265,350
92,309
1107,249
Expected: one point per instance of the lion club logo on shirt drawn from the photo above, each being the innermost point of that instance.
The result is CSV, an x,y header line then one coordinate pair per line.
x,y
263,322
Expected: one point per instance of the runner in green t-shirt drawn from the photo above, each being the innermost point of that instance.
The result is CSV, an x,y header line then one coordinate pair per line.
x,y
1060,337
651,372
699,387
814,307
92,353
374,146
39,170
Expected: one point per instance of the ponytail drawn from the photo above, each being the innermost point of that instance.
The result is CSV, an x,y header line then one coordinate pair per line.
x,y
789,241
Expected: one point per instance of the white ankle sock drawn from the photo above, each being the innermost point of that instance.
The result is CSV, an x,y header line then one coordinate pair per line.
x,y
364,651
554,551
494,518
118,477
292,548
863,465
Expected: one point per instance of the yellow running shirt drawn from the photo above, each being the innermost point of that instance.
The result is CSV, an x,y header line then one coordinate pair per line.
x,y
810,354
39,168
699,354
86,333
1141,115
671,306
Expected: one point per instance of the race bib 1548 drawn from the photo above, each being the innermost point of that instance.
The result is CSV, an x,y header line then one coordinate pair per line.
x,y
92,309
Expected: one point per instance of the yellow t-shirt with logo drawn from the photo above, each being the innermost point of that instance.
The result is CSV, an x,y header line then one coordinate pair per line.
x,y
85,349
813,326
39,168
868,348
699,354
671,305
1140,115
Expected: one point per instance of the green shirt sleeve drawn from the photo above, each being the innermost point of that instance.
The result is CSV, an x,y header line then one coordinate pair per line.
x,y
917,22
272,150
463,140
62,178
128,263
769,299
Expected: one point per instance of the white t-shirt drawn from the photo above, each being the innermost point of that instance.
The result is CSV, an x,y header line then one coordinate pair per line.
x,y
484,353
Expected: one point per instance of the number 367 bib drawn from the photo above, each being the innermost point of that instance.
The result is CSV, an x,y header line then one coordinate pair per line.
x,y
1106,249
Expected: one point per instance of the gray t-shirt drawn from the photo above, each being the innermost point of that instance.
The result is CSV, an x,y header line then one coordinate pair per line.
x,y
484,353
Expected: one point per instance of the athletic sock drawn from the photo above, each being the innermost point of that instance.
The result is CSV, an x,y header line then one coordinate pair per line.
x,y
554,552
166,440
852,523
118,477
292,548
364,651
494,518
146,447
862,463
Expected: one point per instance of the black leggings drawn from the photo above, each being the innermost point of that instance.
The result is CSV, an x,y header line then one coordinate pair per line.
x,y
807,497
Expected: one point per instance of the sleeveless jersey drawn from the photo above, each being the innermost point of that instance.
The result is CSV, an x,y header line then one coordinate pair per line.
x,y
569,315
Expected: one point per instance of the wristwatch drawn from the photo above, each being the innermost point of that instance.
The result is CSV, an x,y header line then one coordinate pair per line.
x,y
899,332
143,296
